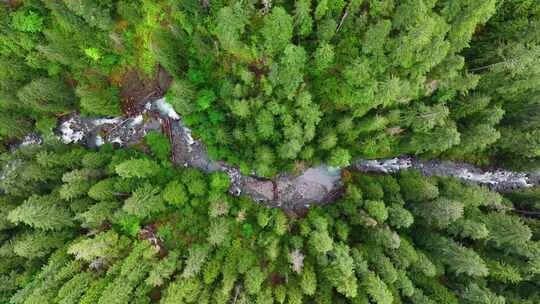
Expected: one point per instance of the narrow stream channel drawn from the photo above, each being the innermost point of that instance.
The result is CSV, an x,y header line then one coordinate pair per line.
x,y
316,185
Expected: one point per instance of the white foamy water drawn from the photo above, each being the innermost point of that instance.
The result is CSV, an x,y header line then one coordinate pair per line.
x,y
166,109
136,121
390,165
68,134
106,121
497,179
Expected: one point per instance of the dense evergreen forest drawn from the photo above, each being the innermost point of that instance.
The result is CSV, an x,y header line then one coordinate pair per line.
x,y
269,86
118,226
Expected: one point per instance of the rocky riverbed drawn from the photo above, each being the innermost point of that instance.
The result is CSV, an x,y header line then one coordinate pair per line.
x,y
316,185
499,180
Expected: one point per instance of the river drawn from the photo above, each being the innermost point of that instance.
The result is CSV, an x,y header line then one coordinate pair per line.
x,y
316,185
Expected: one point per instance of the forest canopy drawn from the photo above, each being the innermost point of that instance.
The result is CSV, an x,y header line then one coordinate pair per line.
x,y
90,231
269,87
270,84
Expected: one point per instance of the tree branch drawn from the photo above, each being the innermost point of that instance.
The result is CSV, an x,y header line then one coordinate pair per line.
x,y
344,16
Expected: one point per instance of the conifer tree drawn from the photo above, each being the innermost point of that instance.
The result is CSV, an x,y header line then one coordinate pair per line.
x,y
42,212
137,168
95,14
144,202
39,243
98,97
13,125
108,246
47,95
175,193
196,259
415,187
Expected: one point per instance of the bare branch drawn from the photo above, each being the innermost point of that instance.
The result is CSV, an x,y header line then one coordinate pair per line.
x,y
344,16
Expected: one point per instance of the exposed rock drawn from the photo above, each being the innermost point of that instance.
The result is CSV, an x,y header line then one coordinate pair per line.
x,y
28,140
94,132
311,187
499,180
384,165
291,192
75,129
259,190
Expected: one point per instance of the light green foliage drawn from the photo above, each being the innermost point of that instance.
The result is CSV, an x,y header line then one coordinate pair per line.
x,y
441,212
163,270
277,30
219,205
458,259
288,73
72,290
400,217
377,289
438,139
93,53
137,168
294,295
279,222
304,22
321,241
308,280
220,181
323,57
424,118
218,232
42,212
29,21
175,193
425,265
38,244
475,294
205,98
180,96
195,182
503,272
377,210
107,245
253,279
159,144
47,95
98,214
231,22
340,271
196,259
340,158
416,187
131,272
507,230
102,190
469,229
144,202
473,196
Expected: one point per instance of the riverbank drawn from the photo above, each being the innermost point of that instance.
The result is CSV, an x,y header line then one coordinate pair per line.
x,y
316,185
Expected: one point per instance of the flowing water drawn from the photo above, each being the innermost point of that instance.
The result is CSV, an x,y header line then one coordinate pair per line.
x,y
316,185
